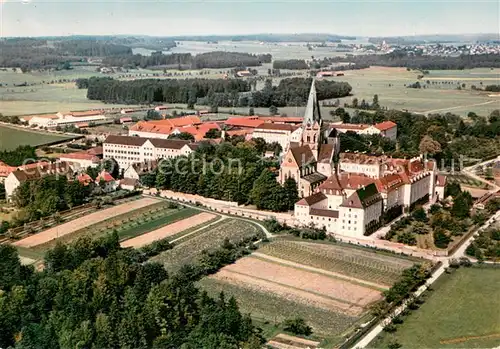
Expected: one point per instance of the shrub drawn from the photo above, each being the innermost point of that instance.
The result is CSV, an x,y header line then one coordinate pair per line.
x,y
297,326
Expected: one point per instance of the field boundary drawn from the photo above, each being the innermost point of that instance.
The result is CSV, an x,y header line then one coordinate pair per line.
x,y
333,275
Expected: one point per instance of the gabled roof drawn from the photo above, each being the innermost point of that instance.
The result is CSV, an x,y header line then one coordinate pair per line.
x,y
278,127
363,197
139,141
326,152
384,126
441,181
389,182
312,199
129,181
167,125
84,179
40,170
251,121
303,155
324,212
104,176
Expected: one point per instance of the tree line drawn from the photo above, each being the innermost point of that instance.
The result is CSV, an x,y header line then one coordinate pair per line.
x,y
213,92
404,59
292,64
30,53
94,294
226,172
216,59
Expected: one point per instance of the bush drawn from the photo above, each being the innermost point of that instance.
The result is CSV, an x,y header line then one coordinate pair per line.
x,y
297,326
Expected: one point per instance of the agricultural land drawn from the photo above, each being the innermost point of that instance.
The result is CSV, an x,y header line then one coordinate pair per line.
x,y
330,286
12,137
460,312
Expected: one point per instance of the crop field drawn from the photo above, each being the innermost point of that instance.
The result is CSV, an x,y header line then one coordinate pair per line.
x,y
168,230
360,264
189,246
330,286
439,95
460,312
11,138
57,232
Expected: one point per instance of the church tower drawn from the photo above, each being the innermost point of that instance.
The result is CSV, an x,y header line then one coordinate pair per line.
x,y
312,134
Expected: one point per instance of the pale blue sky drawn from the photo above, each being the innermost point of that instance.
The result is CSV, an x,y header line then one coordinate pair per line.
x,y
161,17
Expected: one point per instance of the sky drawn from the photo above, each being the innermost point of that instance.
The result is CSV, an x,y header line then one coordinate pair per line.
x,y
168,18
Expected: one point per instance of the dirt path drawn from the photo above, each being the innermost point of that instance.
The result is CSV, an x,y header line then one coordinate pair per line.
x,y
83,222
321,271
168,230
457,107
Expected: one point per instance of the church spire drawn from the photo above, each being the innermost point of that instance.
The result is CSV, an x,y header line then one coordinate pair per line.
x,y
312,113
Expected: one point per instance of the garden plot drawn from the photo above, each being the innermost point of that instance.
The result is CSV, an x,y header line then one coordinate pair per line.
x,y
190,247
342,295
352,262
83,222
168,230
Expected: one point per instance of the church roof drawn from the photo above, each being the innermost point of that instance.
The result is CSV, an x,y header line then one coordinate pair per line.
x,y
303,155
326,153
312,112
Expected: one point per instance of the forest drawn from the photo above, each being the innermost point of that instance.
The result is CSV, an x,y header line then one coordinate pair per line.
x,y
291,64
213,92
94,294
18,156
216,59
423,62
31,53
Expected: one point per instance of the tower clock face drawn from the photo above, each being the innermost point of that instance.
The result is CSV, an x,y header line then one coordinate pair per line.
x,y
289,160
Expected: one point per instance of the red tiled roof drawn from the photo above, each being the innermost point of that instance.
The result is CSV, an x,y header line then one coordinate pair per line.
x,y
282,119
313,199
104,176
84,179
441,181
389,182
80,156
251,121
386,125
166,126
242,132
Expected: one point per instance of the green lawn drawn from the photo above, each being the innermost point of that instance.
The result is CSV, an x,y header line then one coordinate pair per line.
x,y
463,304
11,138
130,231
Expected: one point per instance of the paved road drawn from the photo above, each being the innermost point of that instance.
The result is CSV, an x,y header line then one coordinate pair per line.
x,y
460,252
470,172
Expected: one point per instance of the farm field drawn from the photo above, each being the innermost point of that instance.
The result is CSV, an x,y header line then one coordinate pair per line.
x,y
460,312
168,230
11,137
189,246
83,222
330,286
438,96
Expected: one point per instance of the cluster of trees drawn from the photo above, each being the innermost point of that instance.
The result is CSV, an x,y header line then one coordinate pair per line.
x,y
492,88
10,119
486,245
309,233
46,196
93,294
34,53
364,105
155,90
295,91
444,222
18,156
227,172
213,92
402,58
291,64
216,59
